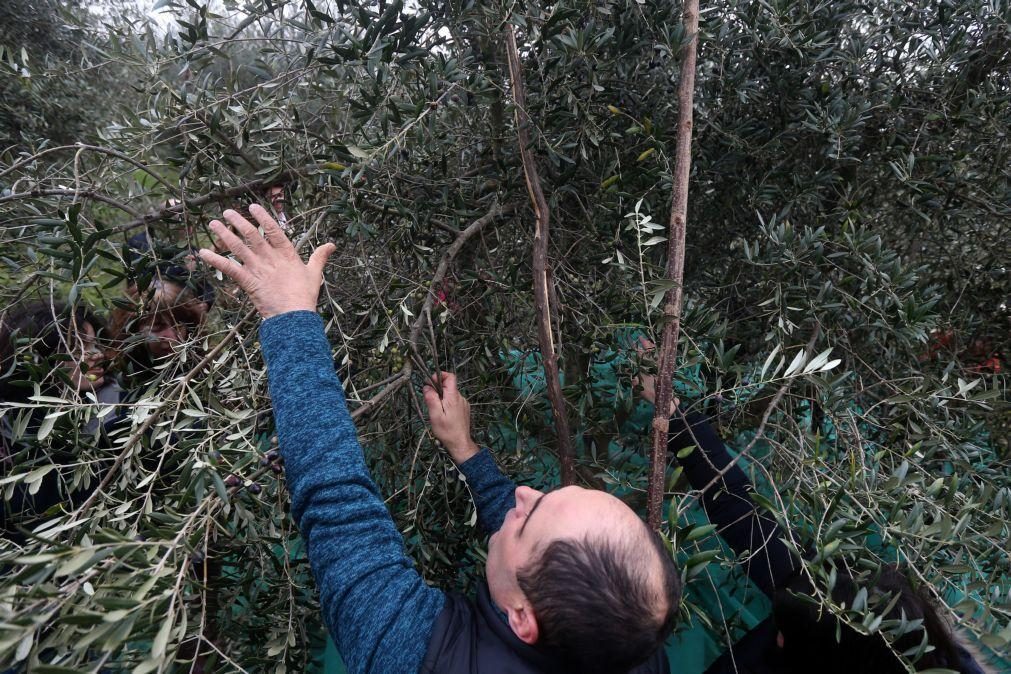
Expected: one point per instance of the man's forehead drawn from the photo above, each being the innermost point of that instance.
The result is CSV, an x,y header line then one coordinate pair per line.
x,y
572,511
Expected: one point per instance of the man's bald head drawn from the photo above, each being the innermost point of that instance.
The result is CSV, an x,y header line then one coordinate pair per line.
x,y
578,572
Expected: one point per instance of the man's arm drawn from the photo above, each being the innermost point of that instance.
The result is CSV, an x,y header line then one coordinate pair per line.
x,y
378,609
728,501
493,492
449,413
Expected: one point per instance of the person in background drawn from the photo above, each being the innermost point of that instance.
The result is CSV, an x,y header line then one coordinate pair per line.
x,y
576,582
801,636
170,306
58,347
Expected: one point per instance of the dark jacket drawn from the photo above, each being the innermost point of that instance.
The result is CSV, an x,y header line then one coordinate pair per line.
x,y
471,637
727,501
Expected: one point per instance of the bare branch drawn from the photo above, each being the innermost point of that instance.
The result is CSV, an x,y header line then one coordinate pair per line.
x,y
462,237
675,269
85,194
542,301
371,404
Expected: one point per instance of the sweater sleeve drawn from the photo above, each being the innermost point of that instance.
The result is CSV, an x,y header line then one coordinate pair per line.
x,y
375,604
493,492
728,502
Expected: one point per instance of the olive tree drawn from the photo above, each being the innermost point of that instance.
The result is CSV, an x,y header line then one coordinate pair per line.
x,y
848,199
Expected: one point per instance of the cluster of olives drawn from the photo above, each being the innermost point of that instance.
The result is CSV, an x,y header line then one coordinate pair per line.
x,y
397,359
271,459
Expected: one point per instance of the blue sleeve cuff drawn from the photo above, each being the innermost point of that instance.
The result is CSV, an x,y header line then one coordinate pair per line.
x,y
492,491
293,330
481,470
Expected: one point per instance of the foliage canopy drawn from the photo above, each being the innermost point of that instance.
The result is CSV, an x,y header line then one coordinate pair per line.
x,y
850,186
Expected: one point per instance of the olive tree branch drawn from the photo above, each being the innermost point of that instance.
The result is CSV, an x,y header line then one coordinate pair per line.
x,y
91,148
760,432
251,186
462,237
62,192
179,389
675,270
542,295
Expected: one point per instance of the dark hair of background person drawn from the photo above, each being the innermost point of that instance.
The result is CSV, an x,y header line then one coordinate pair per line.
x,y
35,321
164,292
816,640
595,605
47,325
172,302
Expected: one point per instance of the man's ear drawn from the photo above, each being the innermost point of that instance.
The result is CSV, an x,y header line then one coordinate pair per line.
x,y
524,623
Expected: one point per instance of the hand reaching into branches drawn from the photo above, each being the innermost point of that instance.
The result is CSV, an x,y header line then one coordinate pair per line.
x,y
271,273
450,418
648,381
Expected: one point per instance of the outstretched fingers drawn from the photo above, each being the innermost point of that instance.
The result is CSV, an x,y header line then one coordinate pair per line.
x,y
229,268
272,232
231,241
252,235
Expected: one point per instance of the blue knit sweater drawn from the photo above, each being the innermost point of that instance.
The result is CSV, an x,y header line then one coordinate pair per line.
x,y
377,607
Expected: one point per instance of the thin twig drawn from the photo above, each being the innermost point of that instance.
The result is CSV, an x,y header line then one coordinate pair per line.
x,y
542,301
371,404
59,192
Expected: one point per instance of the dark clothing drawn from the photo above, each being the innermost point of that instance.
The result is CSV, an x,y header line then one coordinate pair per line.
x,y
728,505
471,637
752,535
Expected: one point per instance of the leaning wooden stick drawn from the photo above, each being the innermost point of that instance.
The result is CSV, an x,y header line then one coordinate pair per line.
x,y
675,269
542,302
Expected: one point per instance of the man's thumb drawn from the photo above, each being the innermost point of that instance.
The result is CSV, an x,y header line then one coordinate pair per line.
x,y
319,257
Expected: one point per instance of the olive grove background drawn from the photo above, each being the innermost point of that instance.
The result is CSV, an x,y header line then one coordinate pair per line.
x,y
849,202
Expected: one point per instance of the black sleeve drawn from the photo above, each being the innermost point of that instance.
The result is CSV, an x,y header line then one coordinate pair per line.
x,y
728,502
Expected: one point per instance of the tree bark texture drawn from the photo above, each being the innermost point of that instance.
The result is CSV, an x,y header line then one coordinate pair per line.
x,y
542,303
675,269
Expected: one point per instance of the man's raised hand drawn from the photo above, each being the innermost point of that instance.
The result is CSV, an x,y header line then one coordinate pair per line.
x,y
271,273
450,418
